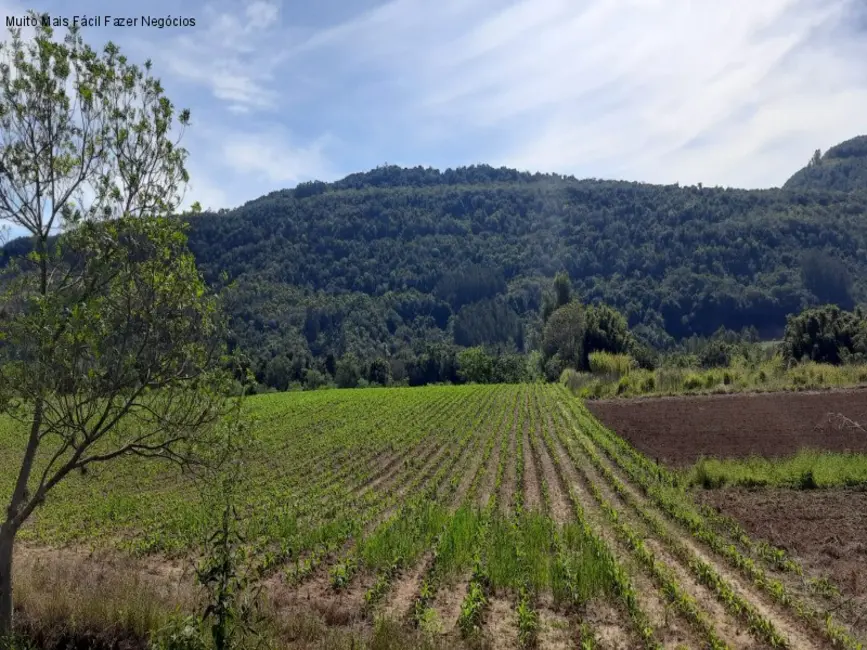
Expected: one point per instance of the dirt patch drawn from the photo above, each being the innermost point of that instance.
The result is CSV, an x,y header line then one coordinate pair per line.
x,y
825,529
561,509
532,492
679,430
405,589
501,626
507,486
447,603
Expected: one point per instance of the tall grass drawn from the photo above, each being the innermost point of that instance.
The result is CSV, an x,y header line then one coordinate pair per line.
x,y
808,469
605,363
741,376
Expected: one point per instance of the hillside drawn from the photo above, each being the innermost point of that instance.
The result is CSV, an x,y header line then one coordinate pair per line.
x,y
842,168
379,262
404,264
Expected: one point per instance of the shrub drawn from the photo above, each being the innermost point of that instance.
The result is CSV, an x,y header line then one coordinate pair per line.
x,y
693,381
574,380
605,363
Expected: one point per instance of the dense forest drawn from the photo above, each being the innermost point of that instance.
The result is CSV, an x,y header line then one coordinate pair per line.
x,y
402,267
842,168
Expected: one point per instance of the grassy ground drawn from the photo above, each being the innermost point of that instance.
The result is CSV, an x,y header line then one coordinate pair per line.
x,y
806,470
499,516
768,376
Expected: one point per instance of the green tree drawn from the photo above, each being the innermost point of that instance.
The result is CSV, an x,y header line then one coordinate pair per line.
x,y
110,343
379,372
827,278
826,335
561,294
607,331
564,335
348,371
475,366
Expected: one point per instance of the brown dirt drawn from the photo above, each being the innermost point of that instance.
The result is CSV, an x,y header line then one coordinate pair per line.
x,y
501,626
561,509
555,631
335,608
679,430
825,529
507,486
609,627
532,493
405,589
610,624
487,482
447,604
728,628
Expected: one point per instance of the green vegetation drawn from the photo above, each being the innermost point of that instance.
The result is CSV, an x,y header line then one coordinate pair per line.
x,y
742,376
111,343
417,491
806,470
408,266
842,168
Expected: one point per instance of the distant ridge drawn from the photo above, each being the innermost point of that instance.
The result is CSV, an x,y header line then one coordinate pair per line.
x,y
843,168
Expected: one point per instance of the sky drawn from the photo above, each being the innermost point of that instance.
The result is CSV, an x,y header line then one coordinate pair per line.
x,y
736,93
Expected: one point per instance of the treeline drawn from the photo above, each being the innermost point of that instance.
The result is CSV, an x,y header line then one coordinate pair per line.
x,y
412,266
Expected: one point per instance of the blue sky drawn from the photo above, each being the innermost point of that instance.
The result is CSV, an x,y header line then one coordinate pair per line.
x,y
734,93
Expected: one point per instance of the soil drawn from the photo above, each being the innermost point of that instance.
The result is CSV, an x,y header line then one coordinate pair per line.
x,y
680,430
825,529
532,494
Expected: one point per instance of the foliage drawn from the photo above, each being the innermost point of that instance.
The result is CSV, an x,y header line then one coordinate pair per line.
x,y
740,376
808,469
382,263
110,341
606,331
564,334
826,335
843,168
827,278
561,294
606,363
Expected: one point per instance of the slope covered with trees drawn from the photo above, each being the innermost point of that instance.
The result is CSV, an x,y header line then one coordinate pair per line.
x,y
405,265
843,168
390,262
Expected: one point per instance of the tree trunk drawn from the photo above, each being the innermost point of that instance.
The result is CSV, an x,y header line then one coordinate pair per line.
x,y
7,541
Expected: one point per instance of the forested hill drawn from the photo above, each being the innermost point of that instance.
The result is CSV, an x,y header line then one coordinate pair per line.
x,y
388,259
403,264
842,168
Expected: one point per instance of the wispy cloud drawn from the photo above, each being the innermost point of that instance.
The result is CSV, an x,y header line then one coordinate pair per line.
x,y
732,93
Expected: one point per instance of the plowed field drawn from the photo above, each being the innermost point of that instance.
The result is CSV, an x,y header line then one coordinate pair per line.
x,y
679,430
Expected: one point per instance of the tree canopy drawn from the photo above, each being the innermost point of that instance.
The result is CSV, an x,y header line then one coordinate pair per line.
x,y
387,262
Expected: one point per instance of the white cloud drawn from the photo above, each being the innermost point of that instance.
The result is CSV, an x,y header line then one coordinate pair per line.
x,y
662,91
730,93
270,155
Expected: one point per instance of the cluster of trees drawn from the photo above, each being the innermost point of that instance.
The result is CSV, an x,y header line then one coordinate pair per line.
x,y
842,168
111,343
384,263
387,263
572,331
827,334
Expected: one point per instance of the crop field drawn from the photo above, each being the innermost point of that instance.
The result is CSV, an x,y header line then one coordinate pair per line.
x,y
500,516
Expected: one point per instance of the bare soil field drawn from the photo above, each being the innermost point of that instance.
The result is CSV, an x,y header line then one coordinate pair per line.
x,y
679,430
825,529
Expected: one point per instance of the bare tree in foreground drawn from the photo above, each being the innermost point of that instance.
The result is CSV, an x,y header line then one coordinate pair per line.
x,y
109,339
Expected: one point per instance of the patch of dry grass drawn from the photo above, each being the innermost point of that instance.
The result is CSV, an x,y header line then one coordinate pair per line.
x,y
62,595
